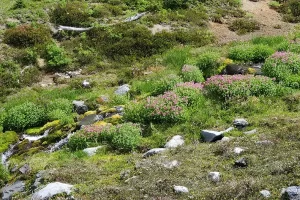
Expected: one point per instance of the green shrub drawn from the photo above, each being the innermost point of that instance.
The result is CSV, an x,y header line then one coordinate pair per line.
x,y
244,25
294,6
77,143
135,112
191,73
3,175
61,104
209,63
175,4
27,35
71,13
274,5
19,4
9,74
285,67
6,139
272,41
250,53
24,116
56,57
62,116
126,137
190,90
176,58
225,87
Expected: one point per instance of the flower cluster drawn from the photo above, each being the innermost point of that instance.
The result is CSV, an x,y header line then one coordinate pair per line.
x,y
166,107
239,86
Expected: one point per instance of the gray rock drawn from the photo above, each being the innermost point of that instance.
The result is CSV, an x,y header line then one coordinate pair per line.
x,y
180,189
119,109
125,174
51,190
214,176
73,74
86,84
91,151
225,139
25,169
10,190
122,90
250,132
291,193
240,123
171,164
211,136
80,107
176,141
90,119
153,152
39,179
241,163
265,193
135,17
238,150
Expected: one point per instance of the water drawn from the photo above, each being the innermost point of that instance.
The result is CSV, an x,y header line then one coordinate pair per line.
x,y
61,143
34,138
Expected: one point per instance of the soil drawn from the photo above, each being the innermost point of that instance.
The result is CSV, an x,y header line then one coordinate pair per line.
x,y
261,12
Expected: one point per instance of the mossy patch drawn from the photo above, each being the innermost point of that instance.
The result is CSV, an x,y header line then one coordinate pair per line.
x,y
115,119
6,139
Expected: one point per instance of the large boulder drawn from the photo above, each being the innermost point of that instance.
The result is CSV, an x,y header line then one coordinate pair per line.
x,y
153,152
211,136
176,141
51,190
80,107
291,193
8,191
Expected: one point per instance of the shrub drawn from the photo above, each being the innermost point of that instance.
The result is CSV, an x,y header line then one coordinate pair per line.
x,y
191,73
19,4
24,116
77,143
56,57
225,87
126,137
190,90
9,74
29,76
168,107
71,13
209,63
244,25
274,5
277,42
3,175
176,58
27,35
63,117
250,53
135,112
285,67
61,104
294,6
175,4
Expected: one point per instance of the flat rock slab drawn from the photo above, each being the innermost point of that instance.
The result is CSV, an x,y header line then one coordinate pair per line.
x,y
122,90
91,151
51,190
90,119
10,190
176,141
211,136
153,152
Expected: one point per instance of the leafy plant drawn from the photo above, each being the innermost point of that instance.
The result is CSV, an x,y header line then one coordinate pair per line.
x,y
209,63
77,143
191,73
244,25
56,57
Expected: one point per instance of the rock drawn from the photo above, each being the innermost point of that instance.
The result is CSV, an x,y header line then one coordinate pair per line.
x,y
153,152
250,132
39,178
176,141
125,174
214,176
51,190
73,74
227,130
135,17
291,193
80,107
86,84
240,123
25,169
225,139
180,189
238,150
170,165
10,190
119,109
241,163
102,99
90,119
122,90
211,136
265,193
91,151
264,142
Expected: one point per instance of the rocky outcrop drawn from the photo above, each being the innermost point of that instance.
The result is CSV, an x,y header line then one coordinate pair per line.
x,y
51,190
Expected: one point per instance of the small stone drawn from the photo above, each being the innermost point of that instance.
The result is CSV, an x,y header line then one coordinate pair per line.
x,y
211,136
80,107
25,169
241,163
102,99
153,152
119,109
238,150
214,176
10,190
225,139
90,119
291,193
39,179
125,174
264,142
180,189
86,84
51,190
171,165
91,151
240,123
176,141
122,90
250,132
265,193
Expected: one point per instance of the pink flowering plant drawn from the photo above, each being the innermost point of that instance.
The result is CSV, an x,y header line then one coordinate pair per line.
x,y
168,107
190,73
227,87
190,90
285,67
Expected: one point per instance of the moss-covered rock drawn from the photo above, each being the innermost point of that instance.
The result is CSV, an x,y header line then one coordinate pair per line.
x,y
100,123
89,113
6,139
115,119
34,131
53,137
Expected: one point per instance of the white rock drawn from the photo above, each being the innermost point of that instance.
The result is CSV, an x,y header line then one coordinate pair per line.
x,y
225,139
153,152
180,189
265,193
240,122
214,176
91,151
176,141
52,189
250,132
171,165
238,150
86,84
122,90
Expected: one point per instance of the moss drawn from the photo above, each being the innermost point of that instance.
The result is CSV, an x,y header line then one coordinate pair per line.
x,y
53,137
101,123
34,131
6,139
110,110
89,113
53,124
115,119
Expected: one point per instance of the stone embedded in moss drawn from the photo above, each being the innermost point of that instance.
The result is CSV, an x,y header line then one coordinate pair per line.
x,y
115,119
6,139
53,124
110,110
53,137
